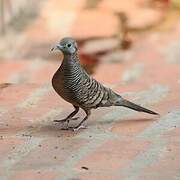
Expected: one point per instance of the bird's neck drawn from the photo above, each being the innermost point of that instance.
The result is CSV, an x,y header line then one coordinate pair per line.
x,y
70,62
73,57
70,59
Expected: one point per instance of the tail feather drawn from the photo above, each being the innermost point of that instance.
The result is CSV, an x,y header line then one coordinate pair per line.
x,y
134,106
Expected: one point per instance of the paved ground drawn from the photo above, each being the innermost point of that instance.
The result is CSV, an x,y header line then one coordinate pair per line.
x,y
119,143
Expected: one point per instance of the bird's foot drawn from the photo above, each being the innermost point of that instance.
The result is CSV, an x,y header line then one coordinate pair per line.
x,y
66,120
74,128
65,128
79,127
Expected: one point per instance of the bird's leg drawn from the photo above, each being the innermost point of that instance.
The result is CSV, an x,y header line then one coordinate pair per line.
x,y
80,126
69,117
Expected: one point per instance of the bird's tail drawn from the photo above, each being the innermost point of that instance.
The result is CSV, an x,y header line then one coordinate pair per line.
x,y
126,103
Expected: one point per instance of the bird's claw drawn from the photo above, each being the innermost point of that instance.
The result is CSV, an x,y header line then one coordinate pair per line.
x,y
79,127
65,123
66,120
65,128
74,128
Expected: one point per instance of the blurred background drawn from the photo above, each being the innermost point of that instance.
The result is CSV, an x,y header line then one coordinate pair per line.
x,y
132,46
112,36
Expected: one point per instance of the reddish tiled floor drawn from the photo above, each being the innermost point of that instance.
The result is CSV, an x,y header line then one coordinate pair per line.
x,y
119,143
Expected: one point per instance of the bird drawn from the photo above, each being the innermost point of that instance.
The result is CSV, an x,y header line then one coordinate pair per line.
x,y
76,86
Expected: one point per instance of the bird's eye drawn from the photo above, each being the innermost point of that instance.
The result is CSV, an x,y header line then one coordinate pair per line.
x,y
68,45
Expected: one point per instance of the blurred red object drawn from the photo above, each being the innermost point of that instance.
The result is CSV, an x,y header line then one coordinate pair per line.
x,y
161,3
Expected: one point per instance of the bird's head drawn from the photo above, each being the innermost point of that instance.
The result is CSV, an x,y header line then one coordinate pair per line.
x,y
67,45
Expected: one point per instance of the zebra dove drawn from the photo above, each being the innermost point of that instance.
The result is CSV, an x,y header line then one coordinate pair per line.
x,y
75,86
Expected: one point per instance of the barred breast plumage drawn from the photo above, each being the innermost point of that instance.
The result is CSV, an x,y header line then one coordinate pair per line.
x,y
74,85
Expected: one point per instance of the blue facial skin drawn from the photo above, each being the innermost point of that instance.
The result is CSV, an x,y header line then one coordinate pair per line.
x,y
67,46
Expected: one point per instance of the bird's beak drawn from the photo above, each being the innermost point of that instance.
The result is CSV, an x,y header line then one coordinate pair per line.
x,y
58,46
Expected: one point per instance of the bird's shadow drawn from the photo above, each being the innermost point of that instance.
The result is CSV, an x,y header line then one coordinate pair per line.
x,y
52,129
126,120
55,129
